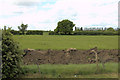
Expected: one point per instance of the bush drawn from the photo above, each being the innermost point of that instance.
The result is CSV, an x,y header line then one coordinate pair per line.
x,y
53,33
108,33
11,56
95,33
34,32
57,33
29,32
15,32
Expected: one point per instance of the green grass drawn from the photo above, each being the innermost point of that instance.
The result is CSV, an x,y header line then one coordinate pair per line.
x,y
66,41
81,70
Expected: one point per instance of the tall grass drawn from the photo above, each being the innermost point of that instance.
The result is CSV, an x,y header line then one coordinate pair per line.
x,y
71,69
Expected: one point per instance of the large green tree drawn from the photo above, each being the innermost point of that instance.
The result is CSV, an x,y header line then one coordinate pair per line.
x,y
64,27
11,55
22,28
110,29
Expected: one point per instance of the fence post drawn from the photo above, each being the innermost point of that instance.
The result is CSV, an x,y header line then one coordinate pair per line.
x,y
96,56
38,67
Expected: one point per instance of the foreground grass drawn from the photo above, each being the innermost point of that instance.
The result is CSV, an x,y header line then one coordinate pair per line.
x,y
69,71
66,41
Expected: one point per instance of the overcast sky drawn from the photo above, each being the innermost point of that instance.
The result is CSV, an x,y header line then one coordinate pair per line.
x,y
44,14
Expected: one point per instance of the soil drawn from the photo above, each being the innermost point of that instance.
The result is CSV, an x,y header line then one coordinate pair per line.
x,y
69,57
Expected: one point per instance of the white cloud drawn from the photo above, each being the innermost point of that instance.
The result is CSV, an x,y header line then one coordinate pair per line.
x,y
46,15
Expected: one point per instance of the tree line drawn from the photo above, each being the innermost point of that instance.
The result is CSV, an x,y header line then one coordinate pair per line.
x,y
23,31
65,27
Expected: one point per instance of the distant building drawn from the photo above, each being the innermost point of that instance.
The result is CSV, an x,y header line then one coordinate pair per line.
x,y
93,28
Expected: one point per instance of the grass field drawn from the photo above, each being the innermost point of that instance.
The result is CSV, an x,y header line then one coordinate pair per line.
x,y
63,42
66,41
69,71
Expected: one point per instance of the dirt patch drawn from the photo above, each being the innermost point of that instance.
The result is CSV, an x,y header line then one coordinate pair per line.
x,y
68,57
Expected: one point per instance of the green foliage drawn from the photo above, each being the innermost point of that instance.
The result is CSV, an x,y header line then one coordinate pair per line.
x,y
64,27
34,32
118,31
22,28
15,32
29,32
78,29
95,33
11,55
108,33
53,33
110,29
81,29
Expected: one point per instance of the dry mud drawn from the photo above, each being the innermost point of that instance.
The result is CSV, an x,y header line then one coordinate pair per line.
x,y
69,56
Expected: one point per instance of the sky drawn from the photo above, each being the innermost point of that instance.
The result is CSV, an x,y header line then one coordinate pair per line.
x,y
45,14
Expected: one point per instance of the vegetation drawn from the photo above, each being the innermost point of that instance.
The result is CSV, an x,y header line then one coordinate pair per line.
x,y
14,32
68,71
66,41
28,32
34,32
88,33
110,29
78,29
64,27
22,28
95,33
11,55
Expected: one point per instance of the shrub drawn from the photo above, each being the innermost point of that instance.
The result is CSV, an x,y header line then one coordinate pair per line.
x,y
108,33
11,56
53,33
95,33
34,32
29,32
15,32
